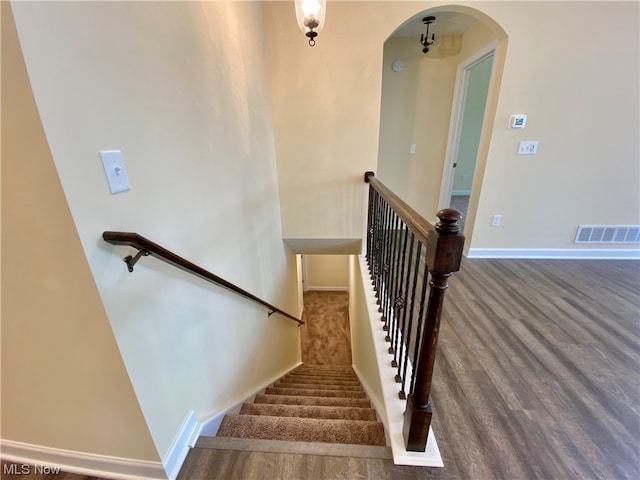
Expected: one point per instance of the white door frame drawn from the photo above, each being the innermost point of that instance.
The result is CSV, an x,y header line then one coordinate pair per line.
x,y
455,123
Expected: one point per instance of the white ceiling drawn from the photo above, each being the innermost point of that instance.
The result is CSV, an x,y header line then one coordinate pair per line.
x,y
446,23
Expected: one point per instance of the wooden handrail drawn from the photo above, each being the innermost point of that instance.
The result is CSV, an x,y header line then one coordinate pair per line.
x,y
411,218
146,247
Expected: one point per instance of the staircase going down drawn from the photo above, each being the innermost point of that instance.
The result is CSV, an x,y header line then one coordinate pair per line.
x,y
313,403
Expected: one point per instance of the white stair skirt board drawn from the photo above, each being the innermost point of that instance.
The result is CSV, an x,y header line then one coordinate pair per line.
x,y
180,446
559,253
393,408
81,463
209,424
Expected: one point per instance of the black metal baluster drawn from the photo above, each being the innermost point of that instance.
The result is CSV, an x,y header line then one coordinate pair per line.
x,y
390,278
384,212
402,335
377,244
398,298
379,237
370,222
402,394
423,295
384,266
394,284
388,274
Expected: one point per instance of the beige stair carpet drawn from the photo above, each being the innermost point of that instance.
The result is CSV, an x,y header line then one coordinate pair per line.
x,y
311,404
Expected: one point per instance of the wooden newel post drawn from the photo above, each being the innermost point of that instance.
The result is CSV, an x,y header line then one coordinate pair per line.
x,y
444,255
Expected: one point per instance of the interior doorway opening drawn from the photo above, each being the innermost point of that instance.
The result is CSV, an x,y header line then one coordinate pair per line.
x,y
467,120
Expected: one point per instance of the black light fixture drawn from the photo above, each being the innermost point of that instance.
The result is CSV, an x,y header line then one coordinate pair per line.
x,y
310,15
425,41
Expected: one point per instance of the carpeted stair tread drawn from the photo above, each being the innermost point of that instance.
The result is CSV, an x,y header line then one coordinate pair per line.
x,y
303,429
319,368
327,373
318,386
309,411
332,381
323,404
345,372
310,400
314,392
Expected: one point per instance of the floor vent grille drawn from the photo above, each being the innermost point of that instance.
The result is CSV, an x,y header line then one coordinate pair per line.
x,y
608,234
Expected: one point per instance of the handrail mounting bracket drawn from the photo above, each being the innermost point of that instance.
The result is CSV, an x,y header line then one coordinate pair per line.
x,y
131,261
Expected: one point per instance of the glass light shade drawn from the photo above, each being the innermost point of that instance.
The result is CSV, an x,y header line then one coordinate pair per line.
x,y
310,14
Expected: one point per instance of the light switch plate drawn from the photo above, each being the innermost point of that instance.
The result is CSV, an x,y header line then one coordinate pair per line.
x,y
114,170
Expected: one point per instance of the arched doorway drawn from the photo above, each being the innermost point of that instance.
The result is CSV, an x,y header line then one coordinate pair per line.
x,y
423,105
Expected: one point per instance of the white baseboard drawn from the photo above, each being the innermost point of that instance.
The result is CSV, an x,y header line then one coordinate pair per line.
x,y
209,424
180,446
558,253
104,466
82,463
329,289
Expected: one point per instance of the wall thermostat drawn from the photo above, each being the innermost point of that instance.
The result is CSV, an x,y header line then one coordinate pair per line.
x,y
397,66
517,121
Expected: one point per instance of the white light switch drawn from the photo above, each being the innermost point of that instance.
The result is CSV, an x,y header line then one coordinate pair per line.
x,y
412,148
528,148
114,170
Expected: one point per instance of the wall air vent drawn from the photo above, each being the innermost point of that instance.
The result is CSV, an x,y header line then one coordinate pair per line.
x,y
608,234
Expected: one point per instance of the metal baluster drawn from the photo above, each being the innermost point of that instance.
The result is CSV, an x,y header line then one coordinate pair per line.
x,y
377,243
401,337
402,394
399,299
394,283
384,265
423,295
370,221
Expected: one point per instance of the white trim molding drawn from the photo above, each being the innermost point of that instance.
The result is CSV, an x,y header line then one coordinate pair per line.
x,y
328,289
557,253
81,463
177,453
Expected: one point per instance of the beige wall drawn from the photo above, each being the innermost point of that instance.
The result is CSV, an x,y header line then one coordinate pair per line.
x,y
64,384
326,102
326,110
179,88
397,117
327,272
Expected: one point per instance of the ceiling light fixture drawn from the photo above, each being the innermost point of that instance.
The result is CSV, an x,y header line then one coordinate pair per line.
x,y
310,15
424,38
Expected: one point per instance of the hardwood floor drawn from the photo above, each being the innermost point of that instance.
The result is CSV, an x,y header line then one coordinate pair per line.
x,y
538,370
537,377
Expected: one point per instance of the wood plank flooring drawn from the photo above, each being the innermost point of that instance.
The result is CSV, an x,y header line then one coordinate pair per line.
x,y
539,360
537,377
